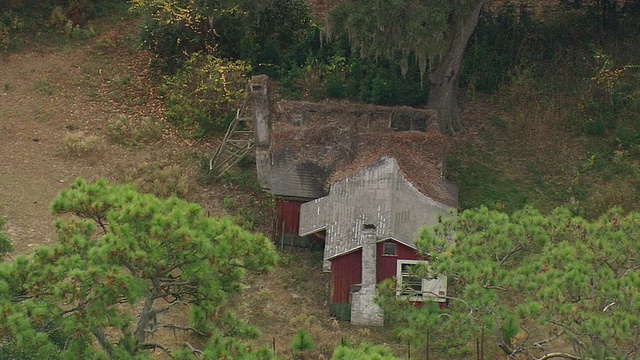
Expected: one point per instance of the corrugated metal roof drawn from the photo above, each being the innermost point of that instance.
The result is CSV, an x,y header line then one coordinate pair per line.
x,y
379,194
294,178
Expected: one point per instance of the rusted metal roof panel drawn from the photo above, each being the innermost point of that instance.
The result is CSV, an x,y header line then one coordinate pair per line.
x,y
379,194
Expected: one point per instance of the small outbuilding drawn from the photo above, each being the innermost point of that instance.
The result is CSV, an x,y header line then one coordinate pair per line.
x,y
379,207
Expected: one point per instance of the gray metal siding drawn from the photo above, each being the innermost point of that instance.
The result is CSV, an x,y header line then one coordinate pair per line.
x,y
378,195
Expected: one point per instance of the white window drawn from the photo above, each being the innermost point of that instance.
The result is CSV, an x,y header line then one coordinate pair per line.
x,y
416,287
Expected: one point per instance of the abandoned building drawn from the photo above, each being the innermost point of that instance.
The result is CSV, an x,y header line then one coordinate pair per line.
x,y
358,180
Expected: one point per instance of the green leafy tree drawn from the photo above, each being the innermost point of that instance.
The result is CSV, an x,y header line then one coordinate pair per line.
x,y
264,33
436,33
539,282
123,260
204,94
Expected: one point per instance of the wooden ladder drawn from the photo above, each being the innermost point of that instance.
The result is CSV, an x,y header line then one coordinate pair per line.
x,y
237,142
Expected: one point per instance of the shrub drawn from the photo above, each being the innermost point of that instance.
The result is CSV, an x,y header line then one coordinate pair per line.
x,y
132,131
162,180
265,34
203,96
79,143
612,102
5,243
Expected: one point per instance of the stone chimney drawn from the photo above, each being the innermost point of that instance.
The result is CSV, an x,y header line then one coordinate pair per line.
x,y
364,311
369,241
259,92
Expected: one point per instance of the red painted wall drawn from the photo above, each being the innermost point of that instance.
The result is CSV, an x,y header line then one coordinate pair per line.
x,y
387,264
346,270
289,215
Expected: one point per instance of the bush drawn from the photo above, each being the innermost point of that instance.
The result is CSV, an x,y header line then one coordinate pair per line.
x,y
132,131
162,180
266,34
337,73
70,17
203,96
79,143
611,105
5,243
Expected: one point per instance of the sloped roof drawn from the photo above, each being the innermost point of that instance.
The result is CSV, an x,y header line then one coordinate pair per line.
x,y
291,177
314,145
378,194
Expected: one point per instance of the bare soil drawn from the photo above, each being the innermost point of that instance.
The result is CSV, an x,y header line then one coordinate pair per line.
x,y
48,93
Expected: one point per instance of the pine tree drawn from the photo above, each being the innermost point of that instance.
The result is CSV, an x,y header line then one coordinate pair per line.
x,y
537,282
123,259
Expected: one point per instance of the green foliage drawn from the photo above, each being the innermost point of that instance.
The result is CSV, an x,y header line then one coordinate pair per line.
x,y
348,76
265,34
376,31
504,39
203,96
224,348
5,242
122,261
576,278
605,181
69,17
10,24
604,15
613,102
479,184
301,341
363,352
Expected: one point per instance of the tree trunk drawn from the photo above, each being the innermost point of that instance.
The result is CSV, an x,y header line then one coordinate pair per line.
x,y
445,71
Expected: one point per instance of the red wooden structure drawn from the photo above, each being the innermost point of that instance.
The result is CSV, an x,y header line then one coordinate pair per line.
x,y
346,271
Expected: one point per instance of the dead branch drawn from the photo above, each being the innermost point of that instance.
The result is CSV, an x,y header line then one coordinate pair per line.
x,y
195,351
182,328
561,355
152,346
548,340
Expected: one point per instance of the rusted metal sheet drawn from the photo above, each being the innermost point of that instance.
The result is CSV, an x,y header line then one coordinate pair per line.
x,y
288,219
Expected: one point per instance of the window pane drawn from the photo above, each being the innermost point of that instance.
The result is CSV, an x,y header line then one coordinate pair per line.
x,y
389,248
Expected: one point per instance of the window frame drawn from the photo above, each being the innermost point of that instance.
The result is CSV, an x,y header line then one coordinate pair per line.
x,y
384,248
439,283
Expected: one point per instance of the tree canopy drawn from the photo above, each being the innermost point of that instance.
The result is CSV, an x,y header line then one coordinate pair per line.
x,y
543,284
435,33
123,260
